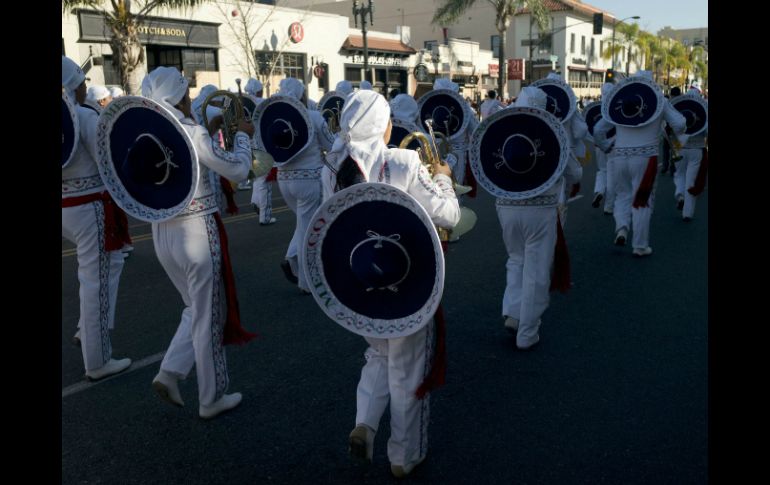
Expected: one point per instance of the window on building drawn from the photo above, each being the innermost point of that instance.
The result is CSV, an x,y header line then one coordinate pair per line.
x,y
353,74
282,65
601,48
494,42
583,45
429,44
571,43
544,46
62,47
592,52
187,61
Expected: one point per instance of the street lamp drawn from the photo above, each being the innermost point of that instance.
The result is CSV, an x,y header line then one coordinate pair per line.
x,y
360,9
636,17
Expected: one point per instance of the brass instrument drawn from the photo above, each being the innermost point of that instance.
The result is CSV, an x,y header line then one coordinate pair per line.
x,y
231,108
333,121
447,150
429,155
673,143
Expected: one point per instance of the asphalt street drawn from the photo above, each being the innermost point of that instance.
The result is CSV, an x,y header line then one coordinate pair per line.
x,y
616,392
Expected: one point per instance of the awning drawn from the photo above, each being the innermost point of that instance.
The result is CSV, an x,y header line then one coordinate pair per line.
x,y
356,42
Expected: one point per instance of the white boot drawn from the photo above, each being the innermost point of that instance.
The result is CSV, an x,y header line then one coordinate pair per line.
x,y
110,368
225,403
167,386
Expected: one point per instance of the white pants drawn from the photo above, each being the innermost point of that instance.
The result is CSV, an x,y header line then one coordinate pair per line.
x,y
684,177
190,252
303,197
627,172
394,370
529,234
262,197
603,183
98,274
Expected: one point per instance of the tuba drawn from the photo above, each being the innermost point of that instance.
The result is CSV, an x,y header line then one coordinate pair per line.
x,y
230,107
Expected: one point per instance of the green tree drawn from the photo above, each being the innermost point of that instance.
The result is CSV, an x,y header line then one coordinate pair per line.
x,y
451,10
123,24
626,36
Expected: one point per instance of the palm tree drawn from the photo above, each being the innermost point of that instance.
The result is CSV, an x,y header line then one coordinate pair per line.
x,y
452,10
626,35
124,24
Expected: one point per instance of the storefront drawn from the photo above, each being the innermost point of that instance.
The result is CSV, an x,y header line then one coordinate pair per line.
x,y
388,63
189,46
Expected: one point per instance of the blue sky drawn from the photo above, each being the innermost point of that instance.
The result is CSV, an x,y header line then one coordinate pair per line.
x,y
656,14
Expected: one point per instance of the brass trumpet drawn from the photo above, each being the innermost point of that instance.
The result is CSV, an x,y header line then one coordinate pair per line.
x,y
447,150
673,143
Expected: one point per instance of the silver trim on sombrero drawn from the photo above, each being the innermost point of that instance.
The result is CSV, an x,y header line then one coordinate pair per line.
x,y
561,83
295,103
312,248
437,92
475,150
114,185
698,99
73,112
607,102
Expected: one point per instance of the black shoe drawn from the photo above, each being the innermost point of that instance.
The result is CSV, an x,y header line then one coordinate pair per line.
x,y
680,203
286,267
686,219
597,200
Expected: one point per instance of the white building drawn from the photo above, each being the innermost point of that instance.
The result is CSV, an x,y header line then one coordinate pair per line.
x,y
203,43
568,46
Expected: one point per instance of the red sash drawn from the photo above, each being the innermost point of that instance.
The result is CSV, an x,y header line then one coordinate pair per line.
x,y
234,333
645,188
115,220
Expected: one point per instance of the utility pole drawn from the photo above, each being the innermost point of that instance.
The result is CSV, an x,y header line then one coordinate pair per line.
x,y
360,9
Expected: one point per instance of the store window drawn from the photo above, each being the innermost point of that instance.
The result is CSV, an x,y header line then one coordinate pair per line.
x,y
572,43
188,61
495,45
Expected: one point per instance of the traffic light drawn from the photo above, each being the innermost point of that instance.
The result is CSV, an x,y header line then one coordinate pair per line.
x,y
609,76
598,23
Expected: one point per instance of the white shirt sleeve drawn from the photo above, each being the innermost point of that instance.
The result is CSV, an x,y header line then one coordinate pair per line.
x,y
436,195
601,129
234,165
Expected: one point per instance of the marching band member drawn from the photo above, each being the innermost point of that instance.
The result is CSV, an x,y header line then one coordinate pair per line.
x,y
395,367
298,181
192,248
98,97
603,183
91,220
531,229
262,189
460,146
344,87
633,158
690,174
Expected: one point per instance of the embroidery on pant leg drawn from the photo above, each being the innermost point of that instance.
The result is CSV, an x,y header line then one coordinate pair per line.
x,y
269,205
104,284
218,313
425,402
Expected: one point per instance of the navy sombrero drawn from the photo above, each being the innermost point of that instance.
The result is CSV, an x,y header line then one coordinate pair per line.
x,y
447,110
519,152
282,128
695,110
592,114
374,261
331,104
146,159
70,130
635,101
561,98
